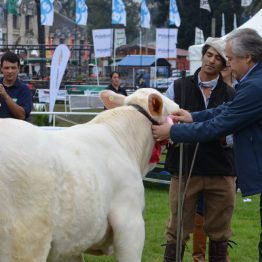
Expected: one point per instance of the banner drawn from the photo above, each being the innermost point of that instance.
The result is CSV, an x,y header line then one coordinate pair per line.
x,y
47,12
205,5
174,17
223,29
144,15
103,44
166,40
246,3
81,12
199,36
118,12
13,6
120,37
58,66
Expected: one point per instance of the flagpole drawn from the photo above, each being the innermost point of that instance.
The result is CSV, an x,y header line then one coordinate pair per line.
x,y
140,41
41,39
155,82
140,52
97,75
155,71
114,46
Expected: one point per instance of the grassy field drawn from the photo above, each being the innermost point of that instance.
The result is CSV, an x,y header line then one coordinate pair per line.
x,y
246,227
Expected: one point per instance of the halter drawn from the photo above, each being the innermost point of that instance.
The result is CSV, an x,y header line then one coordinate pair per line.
x,y
144,112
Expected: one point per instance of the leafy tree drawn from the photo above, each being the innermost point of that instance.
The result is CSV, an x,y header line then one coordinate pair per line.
x,y
191,16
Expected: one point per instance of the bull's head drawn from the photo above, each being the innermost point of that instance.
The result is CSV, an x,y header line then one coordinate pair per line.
x,y
152,101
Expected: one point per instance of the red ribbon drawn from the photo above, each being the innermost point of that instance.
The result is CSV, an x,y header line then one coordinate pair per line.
x,y
156,152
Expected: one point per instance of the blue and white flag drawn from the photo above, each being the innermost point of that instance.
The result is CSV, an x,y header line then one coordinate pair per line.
x,y
245,3
144,15
47,12
118,12
205,5
81,12
174,17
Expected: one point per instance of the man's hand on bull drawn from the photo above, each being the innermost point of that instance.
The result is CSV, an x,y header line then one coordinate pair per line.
x,y
182,116
161,132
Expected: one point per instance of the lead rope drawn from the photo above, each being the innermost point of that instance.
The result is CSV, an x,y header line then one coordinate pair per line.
x,y
181,199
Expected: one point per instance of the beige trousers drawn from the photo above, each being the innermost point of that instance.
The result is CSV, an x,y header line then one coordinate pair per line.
x,y
219,198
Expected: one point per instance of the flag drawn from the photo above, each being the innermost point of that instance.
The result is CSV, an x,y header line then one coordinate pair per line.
x,y
223,25
246,3
13,6
199,36
235,21
58,66
47,12
205,5
118,12
174,17
81,12
144,15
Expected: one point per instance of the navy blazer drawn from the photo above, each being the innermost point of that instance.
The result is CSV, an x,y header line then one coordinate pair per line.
x,y
243,118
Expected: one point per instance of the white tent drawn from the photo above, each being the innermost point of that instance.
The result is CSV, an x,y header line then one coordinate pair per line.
x,y
195,51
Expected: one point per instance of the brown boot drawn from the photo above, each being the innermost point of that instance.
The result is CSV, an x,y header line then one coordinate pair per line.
x,y
217,251
170,253
199,239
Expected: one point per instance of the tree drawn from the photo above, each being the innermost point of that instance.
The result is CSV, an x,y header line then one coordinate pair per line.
x,y
191,16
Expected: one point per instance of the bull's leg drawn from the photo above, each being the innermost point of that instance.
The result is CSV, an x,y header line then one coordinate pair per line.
x,y
32,249
20,249
26,239
129,233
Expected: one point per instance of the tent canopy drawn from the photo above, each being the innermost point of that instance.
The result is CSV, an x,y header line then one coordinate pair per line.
x,y
142,60
195,51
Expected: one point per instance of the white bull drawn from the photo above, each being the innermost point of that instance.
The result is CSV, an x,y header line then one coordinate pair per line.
x,y
79,189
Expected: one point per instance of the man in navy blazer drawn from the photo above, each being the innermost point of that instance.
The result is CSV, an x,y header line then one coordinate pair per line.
x,y
242,116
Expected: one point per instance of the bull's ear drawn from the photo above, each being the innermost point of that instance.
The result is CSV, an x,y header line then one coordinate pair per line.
x,y
111,99
155,104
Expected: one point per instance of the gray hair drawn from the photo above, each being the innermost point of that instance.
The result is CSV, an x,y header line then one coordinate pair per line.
x,y
246,41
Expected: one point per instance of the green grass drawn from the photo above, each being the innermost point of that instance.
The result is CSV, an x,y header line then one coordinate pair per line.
x,y
245,225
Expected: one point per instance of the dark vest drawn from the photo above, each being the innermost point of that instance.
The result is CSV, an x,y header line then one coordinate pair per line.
x,y
212,158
